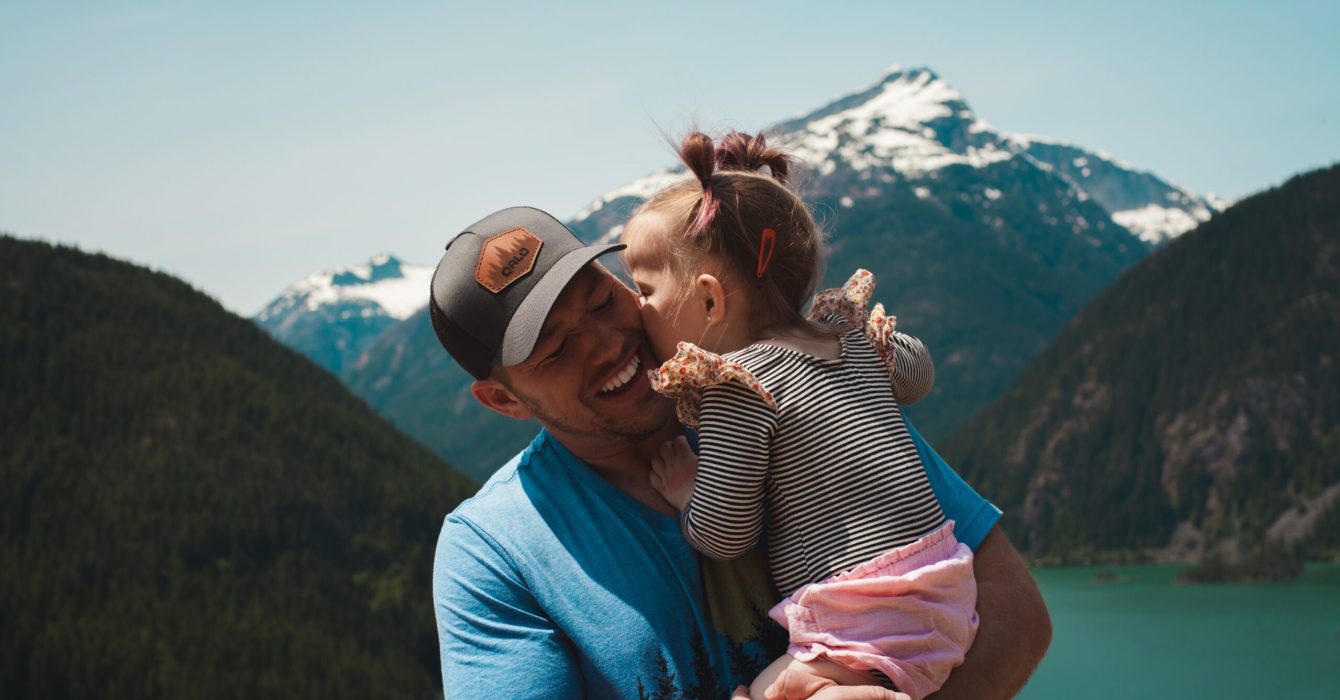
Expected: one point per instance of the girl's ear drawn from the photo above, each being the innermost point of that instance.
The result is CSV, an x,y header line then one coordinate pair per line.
x,y
497,397
710,295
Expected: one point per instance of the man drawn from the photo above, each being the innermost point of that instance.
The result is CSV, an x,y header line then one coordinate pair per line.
x,y
566,575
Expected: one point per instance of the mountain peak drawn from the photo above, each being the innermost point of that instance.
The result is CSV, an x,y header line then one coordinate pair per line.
x,y
909,120
896,72
917,97
399,289
382,266
903,95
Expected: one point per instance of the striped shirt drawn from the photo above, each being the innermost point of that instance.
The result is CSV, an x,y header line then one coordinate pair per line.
x,y
833,466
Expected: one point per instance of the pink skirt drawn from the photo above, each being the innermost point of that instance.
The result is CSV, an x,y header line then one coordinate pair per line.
x,y
910,613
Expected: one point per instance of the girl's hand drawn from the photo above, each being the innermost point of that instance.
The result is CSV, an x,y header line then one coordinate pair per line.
x,y
673,470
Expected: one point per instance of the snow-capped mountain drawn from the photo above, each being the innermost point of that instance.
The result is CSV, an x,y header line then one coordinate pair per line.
x,y
985,244
910,126
332,315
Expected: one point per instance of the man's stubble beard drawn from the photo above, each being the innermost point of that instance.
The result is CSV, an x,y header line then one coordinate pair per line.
x,y
628,430
632,429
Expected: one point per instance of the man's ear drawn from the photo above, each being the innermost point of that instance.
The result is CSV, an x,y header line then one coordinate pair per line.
x,y
710,296
497,397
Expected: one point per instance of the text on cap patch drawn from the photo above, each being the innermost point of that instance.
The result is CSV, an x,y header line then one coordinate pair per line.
x,y
506,258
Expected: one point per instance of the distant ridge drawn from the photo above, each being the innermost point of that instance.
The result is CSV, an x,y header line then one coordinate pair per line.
x,y
191,509
1193,407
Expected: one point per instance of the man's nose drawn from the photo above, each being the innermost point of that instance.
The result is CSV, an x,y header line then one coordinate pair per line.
x,y
605,340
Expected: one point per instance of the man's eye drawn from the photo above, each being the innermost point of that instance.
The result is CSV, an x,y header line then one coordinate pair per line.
x,y
609,301
558,351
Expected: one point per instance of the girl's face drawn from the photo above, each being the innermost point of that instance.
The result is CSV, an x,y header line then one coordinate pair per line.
x,y
667,315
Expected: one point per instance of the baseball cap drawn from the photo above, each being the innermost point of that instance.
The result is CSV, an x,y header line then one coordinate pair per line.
x,y
496,283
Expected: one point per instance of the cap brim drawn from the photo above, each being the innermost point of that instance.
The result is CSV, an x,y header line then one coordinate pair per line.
x,y
524,328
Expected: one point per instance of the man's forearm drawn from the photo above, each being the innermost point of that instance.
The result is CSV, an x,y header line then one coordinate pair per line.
x,y
1014,631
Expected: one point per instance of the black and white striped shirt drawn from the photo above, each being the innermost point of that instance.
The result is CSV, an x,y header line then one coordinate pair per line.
x,y
833,467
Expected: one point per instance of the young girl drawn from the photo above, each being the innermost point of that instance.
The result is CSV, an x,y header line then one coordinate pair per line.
x,y
798,420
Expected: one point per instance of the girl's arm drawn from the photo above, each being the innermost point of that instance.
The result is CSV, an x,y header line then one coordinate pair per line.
x,y
724,517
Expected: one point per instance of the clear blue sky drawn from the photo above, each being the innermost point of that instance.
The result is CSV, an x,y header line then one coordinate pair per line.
x,y
243,145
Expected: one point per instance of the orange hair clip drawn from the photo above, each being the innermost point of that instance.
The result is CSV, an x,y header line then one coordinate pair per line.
x,y
765,248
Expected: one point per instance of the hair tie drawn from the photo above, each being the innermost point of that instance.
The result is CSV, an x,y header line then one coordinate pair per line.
x,y
765,247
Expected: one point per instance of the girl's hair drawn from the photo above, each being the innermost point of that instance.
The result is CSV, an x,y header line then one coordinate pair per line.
x,y
738,191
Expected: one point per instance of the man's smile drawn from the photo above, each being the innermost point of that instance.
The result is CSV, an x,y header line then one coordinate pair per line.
x,y
620,379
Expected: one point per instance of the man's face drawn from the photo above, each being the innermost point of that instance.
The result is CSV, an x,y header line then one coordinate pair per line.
x,y
587,373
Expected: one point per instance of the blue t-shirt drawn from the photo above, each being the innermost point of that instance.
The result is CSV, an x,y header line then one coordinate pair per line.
x,y
552,583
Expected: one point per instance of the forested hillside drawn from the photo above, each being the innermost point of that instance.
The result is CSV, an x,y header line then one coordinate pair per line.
x,y
191,509
1194,406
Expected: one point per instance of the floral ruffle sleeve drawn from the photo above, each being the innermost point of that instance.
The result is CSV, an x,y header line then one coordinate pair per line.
x,y
692,369
910,367
849,302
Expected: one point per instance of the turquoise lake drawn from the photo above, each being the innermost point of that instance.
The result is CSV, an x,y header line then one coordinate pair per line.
x,y
1143,636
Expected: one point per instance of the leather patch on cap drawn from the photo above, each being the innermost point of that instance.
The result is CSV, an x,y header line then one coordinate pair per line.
x,y
506,258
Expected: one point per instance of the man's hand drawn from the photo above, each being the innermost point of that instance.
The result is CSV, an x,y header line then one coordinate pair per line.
x,y
673,470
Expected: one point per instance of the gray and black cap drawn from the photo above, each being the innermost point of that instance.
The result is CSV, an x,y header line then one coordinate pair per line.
x,y
496,283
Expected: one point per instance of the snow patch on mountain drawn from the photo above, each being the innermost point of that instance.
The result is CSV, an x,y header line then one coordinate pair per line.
x,y
896,126
642,188
1154,223
397,289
